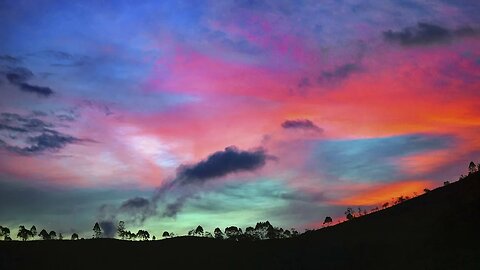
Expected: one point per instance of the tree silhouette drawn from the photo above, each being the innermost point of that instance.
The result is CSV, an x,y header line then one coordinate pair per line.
x,y
426,190
478,167
23,233
218,234
60,236
327,220
52,234
350,213
165,234
129,235
33,230
472,168
74,236
199,231
154,238
233,233
262,229
385,205
97,232
446,183
251,234
5,232
44,234
294,232
142,234
121,230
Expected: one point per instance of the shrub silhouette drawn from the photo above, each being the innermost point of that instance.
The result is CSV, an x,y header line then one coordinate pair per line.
x,y
350,213
52,234
165,234
74,236
327,220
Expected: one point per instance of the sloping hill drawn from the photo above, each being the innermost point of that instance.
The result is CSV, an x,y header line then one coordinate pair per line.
x,y
438,230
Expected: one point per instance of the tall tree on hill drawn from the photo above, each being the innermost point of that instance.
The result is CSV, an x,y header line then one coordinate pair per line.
x,y
472,168
97,232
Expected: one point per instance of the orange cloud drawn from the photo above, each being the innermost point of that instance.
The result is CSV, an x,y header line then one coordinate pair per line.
x,y
384,193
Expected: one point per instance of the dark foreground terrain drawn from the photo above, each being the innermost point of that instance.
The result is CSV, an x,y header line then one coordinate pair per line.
x,y
438,230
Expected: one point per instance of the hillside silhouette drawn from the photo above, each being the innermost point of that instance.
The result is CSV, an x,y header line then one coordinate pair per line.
x,y
437,230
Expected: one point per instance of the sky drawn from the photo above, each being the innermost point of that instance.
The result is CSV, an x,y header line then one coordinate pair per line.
x,y
173,114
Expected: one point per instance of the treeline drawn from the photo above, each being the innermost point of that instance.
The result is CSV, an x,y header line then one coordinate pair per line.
x,y
261,231
26,234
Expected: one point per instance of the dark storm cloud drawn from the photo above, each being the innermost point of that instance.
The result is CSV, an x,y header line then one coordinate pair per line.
x,y
19,77
27,136
220,164
301,124
427,34
9,59
189,179
39,90
134,203
339,73
16,122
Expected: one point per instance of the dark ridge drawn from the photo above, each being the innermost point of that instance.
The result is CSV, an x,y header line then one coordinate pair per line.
x,y
437,230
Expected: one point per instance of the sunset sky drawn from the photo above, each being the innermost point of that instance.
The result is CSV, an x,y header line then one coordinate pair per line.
x,y
173,114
